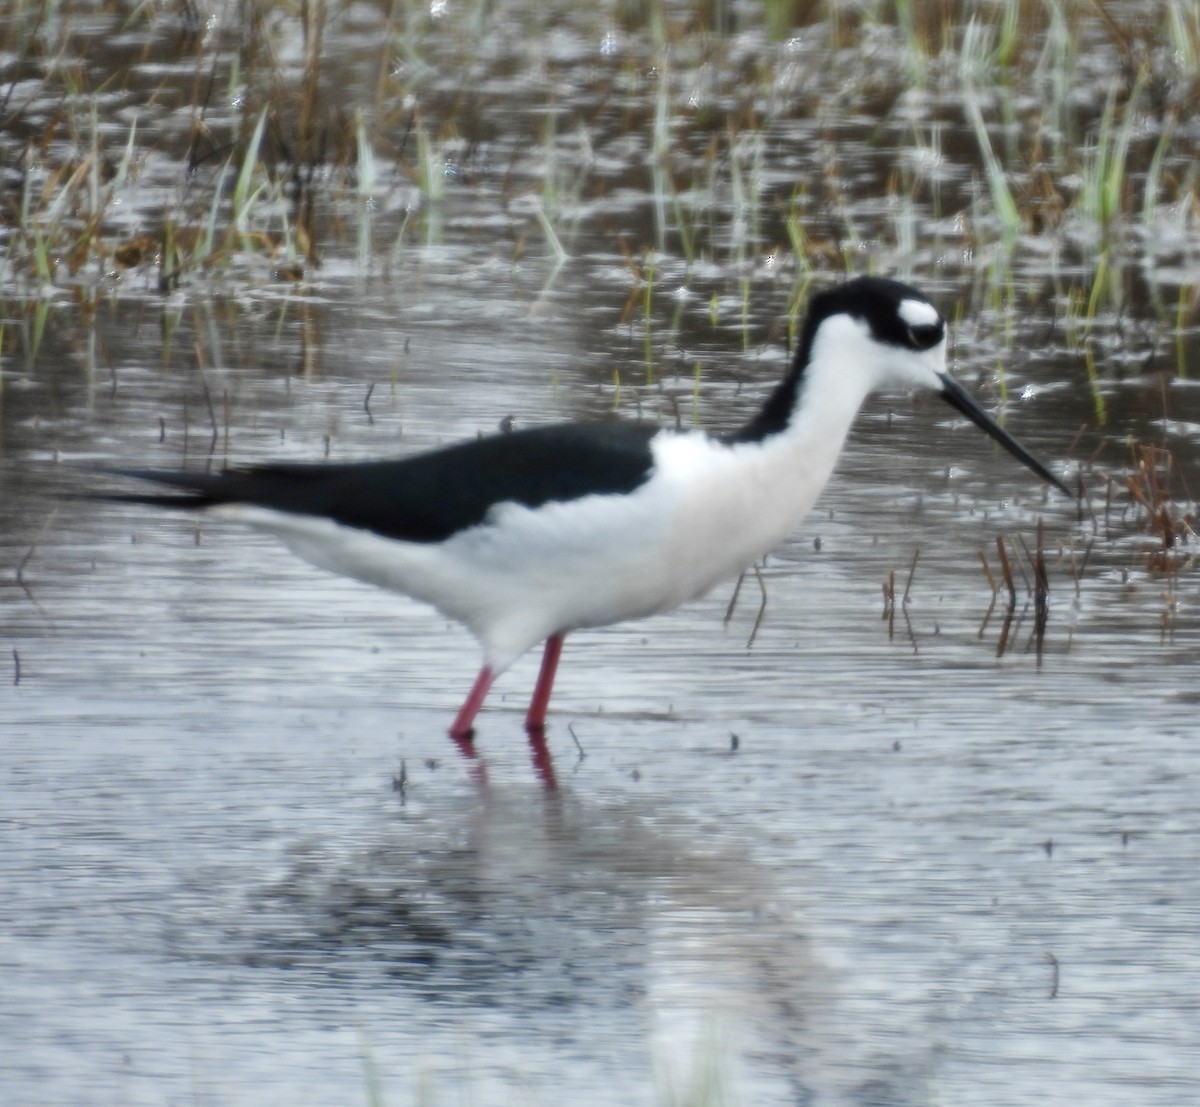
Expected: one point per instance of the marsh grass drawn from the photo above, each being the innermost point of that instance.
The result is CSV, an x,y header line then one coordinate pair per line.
x,y
1162,508
1023,576
288,119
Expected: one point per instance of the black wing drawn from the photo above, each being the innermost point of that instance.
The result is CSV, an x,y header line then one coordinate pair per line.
x,y
428,497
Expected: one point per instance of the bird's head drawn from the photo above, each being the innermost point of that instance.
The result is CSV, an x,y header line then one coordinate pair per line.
x,y
889,335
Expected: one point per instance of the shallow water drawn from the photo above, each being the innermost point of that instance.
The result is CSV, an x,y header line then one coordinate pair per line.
x,y
930,871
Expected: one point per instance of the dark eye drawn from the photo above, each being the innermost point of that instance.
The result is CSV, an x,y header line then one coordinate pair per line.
x,y
923,336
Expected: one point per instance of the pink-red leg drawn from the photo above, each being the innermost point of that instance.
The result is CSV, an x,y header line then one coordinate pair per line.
x,y
535,720
460,729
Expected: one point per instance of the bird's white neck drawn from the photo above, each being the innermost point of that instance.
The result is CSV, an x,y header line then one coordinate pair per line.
x,y
827,398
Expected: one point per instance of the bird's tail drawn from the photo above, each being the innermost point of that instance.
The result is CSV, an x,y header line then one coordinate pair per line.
x,y
195,490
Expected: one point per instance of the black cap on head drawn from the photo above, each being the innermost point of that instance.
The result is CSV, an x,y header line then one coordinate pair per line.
x,y
896,313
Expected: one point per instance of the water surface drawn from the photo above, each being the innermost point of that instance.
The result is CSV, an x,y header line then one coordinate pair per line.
x,y
928,869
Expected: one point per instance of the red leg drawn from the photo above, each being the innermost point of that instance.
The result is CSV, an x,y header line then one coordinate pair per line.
x,y
536,719
460,730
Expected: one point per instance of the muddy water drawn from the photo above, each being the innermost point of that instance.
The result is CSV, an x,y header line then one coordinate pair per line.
x,y
928,870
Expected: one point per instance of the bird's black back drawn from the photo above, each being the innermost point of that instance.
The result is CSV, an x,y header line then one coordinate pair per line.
x,y
429,497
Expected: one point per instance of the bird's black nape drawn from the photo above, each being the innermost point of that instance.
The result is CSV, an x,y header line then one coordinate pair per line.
x,y
874,300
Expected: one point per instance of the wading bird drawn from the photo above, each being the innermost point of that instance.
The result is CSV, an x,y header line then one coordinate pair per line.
x,y
527,536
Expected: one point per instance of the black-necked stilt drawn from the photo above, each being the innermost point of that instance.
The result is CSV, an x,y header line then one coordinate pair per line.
x,y
526,536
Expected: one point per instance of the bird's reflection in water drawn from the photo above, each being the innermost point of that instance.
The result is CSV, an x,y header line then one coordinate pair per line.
x,y
609,930
539,752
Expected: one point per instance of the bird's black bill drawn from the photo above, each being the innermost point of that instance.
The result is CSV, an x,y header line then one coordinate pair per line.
x,y
958,397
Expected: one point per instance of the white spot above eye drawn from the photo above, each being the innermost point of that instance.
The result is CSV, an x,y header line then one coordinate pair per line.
x,y
919,313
